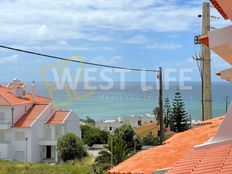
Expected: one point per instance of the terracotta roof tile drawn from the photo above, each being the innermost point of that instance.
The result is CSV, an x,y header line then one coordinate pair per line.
x,y
58,117
7,98
210,160
27,120
3,101
219,8
166,155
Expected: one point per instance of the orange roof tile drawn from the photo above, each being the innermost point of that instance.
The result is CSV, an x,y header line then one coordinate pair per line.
x,y
58,117
212,160
3,101
27,120
7,98
164,156
219,8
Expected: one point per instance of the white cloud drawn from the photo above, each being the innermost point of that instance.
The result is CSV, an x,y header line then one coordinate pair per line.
x,y
43,31
138,39
164,46
115,60
11,59
90,19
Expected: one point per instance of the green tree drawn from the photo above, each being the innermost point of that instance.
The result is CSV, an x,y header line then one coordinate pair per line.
x,y
92,135
116,147
179,117
151,140
129,136
167,112
120,145
156,113
70,147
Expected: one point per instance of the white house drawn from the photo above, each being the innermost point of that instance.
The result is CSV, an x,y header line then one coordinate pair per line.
x,y
30,125
133,120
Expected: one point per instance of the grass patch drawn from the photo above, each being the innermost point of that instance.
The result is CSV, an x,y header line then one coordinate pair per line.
x,y
71,167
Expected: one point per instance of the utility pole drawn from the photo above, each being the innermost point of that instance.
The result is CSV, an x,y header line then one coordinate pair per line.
x,y
161,120
206,65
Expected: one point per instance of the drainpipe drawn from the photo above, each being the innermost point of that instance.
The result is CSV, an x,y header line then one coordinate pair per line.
x,y
12,113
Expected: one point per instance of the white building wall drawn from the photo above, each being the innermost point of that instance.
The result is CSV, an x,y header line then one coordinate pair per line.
x,y
7,114
20,145
20,110
14,149
37,134
131,120
72,124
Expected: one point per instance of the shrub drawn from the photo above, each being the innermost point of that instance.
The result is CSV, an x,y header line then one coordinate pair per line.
x,y
70,147
92,135
151,140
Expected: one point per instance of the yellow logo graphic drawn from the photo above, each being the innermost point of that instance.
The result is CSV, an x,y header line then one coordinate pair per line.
x,y
70,95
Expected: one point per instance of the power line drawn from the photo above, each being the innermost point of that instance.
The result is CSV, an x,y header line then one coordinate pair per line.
x,y
76,61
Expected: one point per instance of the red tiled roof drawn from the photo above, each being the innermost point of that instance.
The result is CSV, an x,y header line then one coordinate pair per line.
x,y
219,8
164,156
7,98
3,101
214,160
58,117
27,120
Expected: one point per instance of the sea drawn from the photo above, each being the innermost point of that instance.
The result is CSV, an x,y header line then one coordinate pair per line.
x,y
131,99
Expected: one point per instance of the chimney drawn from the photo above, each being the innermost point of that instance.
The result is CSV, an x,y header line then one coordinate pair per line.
x,y
33,90
15,86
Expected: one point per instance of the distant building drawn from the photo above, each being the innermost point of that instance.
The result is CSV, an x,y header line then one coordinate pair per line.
x,y
30,125
134,121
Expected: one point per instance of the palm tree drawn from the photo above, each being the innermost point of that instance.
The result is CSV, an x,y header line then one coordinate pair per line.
x,y
118,150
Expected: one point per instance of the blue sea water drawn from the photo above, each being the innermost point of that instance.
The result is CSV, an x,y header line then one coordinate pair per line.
x,y
133,100
107,104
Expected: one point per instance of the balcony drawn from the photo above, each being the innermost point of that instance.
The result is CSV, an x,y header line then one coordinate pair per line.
x,y
220,41
5,124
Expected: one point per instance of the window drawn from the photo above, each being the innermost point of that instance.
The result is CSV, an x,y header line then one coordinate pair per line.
x,y
19,136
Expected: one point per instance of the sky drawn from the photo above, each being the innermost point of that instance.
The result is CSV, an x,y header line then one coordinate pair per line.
x,y
130,33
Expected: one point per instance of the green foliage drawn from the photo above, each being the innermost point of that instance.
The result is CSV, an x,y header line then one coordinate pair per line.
x,y
117,147
127,133
167,112
88,121
151,140
179,119
156,113
75,167
120,145
92,135
70,147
